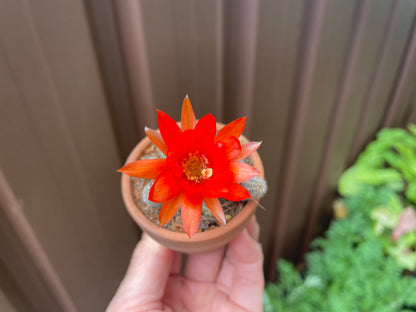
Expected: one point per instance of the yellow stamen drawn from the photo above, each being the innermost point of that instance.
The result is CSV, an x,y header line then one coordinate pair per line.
x,y
195,167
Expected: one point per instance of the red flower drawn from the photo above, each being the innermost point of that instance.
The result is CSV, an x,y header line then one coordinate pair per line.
x,y
200,165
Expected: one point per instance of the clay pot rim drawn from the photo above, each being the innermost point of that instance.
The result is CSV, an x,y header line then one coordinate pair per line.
x,y
200,237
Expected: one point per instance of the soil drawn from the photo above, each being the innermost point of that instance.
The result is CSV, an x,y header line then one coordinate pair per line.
x,y
208,221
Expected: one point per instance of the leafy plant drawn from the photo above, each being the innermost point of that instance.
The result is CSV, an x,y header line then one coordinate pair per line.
x,y
388,161
358,266
348,269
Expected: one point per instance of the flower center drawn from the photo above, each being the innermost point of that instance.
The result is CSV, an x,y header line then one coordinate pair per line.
x,y
195,167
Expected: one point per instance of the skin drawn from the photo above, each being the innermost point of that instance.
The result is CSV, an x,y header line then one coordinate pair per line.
x,y
211,282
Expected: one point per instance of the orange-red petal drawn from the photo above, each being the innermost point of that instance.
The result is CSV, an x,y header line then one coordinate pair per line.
x,y
145,169
247,149
156,139
165,187
206,128
188,119
191,211
169,208
214,205
232,147
234,128
242,171
168,128
235,192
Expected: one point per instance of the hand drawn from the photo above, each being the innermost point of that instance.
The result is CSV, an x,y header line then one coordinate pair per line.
x,y
211,282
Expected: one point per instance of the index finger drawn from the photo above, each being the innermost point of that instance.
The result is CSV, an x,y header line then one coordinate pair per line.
x,y
146,276
242,273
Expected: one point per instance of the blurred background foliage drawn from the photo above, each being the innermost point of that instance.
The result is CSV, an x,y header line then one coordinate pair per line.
x,y
367,259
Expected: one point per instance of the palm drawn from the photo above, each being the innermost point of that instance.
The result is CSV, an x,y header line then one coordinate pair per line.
x,y
205,296
211,291
210,282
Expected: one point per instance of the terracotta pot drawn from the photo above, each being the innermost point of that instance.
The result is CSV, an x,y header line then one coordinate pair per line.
x,y
200,242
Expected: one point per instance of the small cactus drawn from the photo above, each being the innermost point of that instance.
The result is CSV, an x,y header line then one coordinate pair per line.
x,y
158,155
205,209
147,186
256,186
145,197
248,160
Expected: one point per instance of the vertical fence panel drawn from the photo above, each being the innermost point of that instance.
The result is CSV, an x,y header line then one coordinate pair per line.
x,y
108,46
14,217
403,79
279,33
412,107
384,73
133,40
59,153
339,106
240,50
317,79
335,158
314,14
336,27
5,304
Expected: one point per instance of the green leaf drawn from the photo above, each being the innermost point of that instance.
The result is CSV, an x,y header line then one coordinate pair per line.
x,y
412,129
385,219
411,192
352,181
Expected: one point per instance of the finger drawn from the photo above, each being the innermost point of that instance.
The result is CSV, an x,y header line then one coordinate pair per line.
x,y
245,260
253,228
146,276
176,263
204,267
226,275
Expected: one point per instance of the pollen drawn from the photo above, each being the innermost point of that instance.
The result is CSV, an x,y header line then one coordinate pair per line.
x,y
206,173
195,167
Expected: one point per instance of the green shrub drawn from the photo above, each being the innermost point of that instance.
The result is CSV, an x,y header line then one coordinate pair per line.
x,y
356,266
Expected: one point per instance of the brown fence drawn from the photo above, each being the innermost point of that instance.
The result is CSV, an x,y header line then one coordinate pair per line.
x,y
80,80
